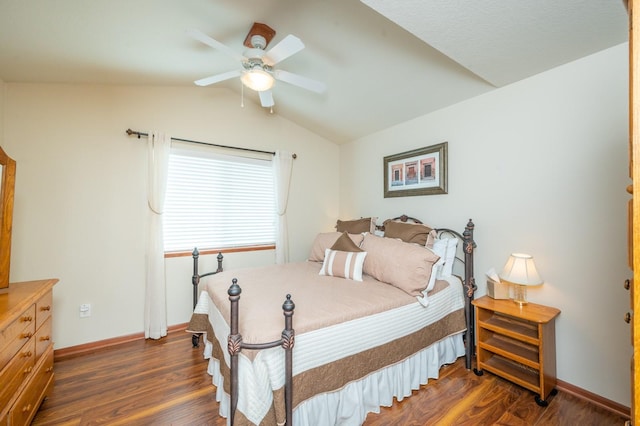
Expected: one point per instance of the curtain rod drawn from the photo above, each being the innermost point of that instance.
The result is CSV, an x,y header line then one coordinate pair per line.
x,y
139,134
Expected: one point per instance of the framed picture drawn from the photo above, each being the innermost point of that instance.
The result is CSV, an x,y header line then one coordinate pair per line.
x,y
422,171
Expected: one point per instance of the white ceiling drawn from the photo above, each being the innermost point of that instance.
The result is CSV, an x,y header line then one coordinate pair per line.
x,y
384,62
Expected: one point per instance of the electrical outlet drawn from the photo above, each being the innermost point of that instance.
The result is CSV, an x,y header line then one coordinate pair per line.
x,y
85,310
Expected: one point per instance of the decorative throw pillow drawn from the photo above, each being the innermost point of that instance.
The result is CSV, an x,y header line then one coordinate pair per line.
x,y
325,240
403,265
343,264
446,249
407,232
357,226
345,243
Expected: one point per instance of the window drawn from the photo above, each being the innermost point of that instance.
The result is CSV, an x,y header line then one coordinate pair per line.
x,y
218,201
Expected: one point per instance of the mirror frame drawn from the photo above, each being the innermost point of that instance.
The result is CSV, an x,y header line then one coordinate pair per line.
x,y
7,188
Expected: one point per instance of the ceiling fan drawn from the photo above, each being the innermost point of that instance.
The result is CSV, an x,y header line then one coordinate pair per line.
x,y
257,67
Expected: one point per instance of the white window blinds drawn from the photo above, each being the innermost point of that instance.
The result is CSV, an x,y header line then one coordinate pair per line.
x,y
216,201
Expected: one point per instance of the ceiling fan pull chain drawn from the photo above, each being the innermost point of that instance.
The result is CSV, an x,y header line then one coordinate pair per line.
x,y
271,109
241,95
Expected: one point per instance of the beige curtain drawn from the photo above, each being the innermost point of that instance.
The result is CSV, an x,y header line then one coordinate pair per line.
x,y
155,312
282,164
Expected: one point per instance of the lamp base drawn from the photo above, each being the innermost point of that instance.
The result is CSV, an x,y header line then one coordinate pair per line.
x,y
520,294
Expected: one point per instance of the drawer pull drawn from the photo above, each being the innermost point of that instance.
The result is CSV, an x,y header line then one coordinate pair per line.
x,y
45,338
26,354
627,284
45,308
26,408
627,317
28,370
49,370
26,335
27,318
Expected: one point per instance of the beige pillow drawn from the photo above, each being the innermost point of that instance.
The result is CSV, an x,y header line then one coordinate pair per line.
x,y
407,232
345,243
343,264
403,265
326,240
357,226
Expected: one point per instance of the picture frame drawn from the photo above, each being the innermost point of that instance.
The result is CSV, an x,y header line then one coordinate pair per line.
x,y
422,171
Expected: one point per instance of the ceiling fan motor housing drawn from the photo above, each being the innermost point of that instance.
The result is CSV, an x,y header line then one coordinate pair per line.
x,y
258,42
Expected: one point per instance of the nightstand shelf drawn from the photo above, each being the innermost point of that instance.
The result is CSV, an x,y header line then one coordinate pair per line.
x,y
510,348
517,343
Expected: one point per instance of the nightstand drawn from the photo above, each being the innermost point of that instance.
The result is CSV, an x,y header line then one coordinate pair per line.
x,y
517,343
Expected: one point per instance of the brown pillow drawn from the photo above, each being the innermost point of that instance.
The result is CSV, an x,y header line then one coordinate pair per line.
x,y
355,226
407,232
345,243
406,266
325,240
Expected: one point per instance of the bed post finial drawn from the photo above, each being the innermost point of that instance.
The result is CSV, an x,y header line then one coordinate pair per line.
x,y
219,257
235,289
288,305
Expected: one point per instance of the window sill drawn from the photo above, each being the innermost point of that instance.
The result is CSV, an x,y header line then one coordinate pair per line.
x,y
204,252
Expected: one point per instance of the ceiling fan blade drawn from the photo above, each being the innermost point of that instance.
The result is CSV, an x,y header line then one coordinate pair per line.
x,y
200,36
290,45
266,98
300,81
217,78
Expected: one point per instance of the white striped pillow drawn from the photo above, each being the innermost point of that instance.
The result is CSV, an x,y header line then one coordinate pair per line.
x,y
343,264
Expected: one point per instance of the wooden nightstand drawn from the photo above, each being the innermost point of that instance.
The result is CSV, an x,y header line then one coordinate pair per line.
x,y
518,344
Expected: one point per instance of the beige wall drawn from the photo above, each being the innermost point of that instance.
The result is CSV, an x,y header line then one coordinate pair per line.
x,y
80,207
541,167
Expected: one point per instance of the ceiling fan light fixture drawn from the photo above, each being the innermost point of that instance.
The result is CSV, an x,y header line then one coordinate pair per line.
x,y
257,79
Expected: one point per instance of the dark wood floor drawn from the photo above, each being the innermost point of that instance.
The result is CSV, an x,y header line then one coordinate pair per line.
x,y
165,382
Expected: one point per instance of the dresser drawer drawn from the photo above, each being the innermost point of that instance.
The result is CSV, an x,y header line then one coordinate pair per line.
x,y
36,389
16,372
43,308
16,334
43,338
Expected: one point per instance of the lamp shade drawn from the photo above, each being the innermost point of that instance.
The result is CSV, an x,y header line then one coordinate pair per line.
x,y
257,79
520,269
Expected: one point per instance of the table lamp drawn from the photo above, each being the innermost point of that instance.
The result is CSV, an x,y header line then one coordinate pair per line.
x,y
520,270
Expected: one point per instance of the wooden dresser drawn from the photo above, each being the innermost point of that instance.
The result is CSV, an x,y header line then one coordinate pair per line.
x,y
26,350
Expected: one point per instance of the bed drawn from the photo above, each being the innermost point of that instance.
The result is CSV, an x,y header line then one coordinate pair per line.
x,y
360,327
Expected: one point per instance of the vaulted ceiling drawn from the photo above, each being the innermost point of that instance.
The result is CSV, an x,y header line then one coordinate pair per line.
x,y
384,61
